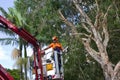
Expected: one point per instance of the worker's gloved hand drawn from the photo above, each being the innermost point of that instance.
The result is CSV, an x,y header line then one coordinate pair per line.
x,y
65,50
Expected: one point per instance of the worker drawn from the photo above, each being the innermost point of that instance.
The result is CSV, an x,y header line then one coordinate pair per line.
x,y
56,46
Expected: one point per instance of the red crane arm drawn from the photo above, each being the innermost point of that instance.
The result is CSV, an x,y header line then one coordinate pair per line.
x,y
5,75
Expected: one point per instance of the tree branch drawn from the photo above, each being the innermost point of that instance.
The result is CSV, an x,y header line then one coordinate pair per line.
x,y
88,20
97,5
105,31
86,28
92,52
116,70
68,23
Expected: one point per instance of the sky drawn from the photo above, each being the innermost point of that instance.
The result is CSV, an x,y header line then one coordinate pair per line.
x,y
5,51
6,3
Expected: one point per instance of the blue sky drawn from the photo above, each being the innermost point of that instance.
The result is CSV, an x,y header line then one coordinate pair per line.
x,y
6,3
5,51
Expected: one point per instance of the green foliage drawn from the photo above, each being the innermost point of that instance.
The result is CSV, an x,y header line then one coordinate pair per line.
x,y
3,28
76,66
114,30
114,43
8,41
15,73
42,19
74,61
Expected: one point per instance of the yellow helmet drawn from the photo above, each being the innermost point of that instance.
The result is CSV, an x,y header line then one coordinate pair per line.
x,y
54,38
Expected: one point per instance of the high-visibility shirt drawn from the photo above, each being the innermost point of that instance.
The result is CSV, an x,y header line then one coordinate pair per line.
x,y
55,45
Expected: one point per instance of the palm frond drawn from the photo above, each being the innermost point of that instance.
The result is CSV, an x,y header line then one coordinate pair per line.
x,y
21,61
3,12
7,41
15,53
25,60
4,30
18,63
16,16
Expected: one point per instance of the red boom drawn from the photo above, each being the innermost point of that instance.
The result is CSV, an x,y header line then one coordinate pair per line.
x,y
29,38
4,75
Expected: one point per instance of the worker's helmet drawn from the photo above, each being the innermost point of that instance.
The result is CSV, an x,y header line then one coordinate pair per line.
x,y
54,38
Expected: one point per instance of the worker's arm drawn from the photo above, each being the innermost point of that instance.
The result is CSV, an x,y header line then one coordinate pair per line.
x,y
49,46
43,51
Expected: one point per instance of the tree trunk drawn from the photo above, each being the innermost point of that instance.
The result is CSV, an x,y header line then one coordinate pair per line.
x,y
107,71
98,34
116,74
111,74
25,64
21,68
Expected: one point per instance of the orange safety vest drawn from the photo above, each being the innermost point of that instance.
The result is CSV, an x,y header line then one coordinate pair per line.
x,y
55,45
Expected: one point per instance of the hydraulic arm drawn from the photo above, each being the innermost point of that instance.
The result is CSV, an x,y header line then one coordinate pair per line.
x,y
30,39
4,75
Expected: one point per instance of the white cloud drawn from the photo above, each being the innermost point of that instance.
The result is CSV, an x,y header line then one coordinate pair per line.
x,y
3,56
